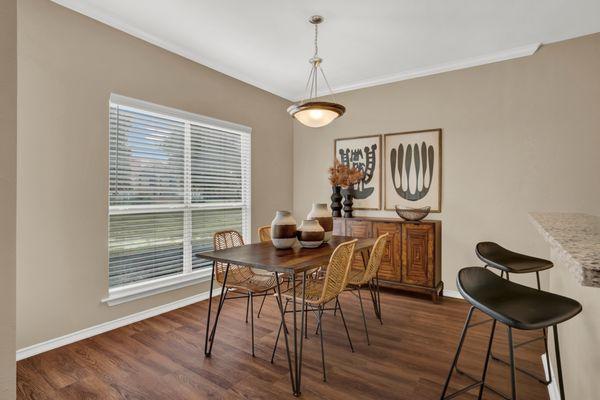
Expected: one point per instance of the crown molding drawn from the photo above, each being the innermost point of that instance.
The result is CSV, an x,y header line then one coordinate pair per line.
x,y
94,13
516,52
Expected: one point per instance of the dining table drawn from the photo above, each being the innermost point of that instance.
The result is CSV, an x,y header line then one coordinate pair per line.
x,y
294,263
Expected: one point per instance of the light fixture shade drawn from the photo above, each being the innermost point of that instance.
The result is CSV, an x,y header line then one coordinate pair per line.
x,y
316,114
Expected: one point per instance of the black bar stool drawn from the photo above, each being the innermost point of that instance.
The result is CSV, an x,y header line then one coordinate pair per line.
x,y
509,262
517,306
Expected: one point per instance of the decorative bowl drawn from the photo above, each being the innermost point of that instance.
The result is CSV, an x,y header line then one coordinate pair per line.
x,y
413,214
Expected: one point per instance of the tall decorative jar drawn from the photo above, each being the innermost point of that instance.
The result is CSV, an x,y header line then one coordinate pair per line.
x,y
320,213
311,233
336,201
283,230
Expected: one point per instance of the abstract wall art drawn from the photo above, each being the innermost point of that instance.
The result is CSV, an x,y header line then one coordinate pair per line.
x,y
413,169
364,153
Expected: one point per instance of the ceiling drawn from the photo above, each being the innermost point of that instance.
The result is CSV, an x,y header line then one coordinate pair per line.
x,y
267,43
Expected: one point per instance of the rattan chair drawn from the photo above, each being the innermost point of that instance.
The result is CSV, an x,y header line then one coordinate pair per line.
x,y
320,291
240,279
264,233
361,277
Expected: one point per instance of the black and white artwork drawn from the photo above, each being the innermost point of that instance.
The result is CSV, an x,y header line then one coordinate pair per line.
x,y
364,153
413,167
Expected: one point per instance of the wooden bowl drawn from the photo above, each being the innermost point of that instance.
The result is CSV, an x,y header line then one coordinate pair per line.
x,y
412,214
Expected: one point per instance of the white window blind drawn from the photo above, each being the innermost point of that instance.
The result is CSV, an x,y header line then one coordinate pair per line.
x,y
176,178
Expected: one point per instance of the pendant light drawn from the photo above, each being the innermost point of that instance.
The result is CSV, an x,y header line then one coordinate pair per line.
x,y
316,114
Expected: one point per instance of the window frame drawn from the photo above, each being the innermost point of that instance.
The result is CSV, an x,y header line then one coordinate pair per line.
x,y
136,290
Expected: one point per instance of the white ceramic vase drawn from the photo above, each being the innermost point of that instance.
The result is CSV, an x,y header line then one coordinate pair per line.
x,y
321,213
311,233
283,230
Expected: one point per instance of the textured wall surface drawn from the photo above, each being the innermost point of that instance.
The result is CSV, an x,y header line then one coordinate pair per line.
x,y
68,66
518,136
8,193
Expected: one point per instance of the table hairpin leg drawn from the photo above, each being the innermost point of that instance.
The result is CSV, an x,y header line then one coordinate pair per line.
x,y
302,334
207,346
285,332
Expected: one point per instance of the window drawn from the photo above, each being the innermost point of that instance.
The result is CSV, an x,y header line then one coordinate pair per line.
x,y
175,179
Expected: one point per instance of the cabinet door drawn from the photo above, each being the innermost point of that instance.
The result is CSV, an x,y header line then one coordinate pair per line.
x,y
417,254
359,229
390,263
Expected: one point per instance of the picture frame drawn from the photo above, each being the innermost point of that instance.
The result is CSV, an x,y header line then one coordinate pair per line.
x,y
415,180
368,159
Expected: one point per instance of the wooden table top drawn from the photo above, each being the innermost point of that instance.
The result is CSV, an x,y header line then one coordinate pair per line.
x,y
266,256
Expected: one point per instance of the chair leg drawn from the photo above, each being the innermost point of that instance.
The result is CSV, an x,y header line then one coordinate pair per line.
x,y
511,352
321,335
247,307
487,360
561,384
378,299
279,332
251,297
337,301
362,310
457,354
261,305
306,322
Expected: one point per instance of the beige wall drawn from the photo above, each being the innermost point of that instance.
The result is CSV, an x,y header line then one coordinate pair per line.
x,y
520,135
68,66
8,193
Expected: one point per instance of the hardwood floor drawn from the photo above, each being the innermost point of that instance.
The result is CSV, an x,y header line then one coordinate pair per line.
x,y
162,357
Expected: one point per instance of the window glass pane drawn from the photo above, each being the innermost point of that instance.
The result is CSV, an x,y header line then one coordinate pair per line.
x,y
146,158
162,167
145,246
216,166
204,225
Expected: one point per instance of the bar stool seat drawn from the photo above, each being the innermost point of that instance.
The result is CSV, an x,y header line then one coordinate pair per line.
x,y
515,305
505,260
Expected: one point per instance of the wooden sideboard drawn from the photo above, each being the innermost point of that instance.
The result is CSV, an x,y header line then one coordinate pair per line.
x,y
413,258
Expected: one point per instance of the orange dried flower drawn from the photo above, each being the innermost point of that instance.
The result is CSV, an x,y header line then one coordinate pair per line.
x,y
343,175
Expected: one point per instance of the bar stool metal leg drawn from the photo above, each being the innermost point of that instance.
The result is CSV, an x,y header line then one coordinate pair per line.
x,y
487,360
455,360
511,351
561,385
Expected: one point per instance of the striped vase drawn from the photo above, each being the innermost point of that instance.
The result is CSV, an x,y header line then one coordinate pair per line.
x,y
283,230
311,233
320,212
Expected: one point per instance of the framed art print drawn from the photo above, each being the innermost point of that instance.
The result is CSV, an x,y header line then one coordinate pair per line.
x,y
364,153
413,169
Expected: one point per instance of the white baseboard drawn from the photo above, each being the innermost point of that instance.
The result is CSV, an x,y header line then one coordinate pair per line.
x,y
110,325
455,294
553,392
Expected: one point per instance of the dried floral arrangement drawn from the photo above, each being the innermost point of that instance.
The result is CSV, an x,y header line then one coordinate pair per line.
x,y
343,175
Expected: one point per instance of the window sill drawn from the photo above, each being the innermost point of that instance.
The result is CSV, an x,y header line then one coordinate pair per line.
x,y
144,289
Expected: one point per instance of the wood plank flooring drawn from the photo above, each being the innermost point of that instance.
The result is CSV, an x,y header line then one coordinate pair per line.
x,y
163,358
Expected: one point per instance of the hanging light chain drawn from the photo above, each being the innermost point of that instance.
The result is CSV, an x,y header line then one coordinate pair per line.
x,y
311,90
316,41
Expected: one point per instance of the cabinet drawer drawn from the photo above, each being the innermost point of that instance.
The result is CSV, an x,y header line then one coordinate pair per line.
x,y
359,229
389,268
418,254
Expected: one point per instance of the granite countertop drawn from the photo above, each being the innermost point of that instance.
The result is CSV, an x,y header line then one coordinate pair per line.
x,y
576,238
